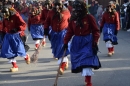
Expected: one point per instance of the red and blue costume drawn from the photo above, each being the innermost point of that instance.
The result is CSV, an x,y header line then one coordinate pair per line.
x,y
110,25
12,45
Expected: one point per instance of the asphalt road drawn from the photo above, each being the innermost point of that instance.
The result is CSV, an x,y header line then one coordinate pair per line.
x,y
115,70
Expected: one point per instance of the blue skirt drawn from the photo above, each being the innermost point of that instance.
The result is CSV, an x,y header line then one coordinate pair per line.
x,y
108,33
12,46
57,42
37,31
81,54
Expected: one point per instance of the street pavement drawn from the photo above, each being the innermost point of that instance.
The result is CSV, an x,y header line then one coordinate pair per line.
x,y
115,70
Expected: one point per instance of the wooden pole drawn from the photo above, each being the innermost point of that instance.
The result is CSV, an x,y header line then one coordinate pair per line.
x,y
56,80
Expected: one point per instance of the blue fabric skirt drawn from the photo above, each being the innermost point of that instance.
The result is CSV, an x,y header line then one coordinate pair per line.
x,y
108,33
12,46
81,54
57,42
37,31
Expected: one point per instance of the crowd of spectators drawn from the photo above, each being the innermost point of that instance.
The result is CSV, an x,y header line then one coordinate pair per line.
x,y
94,8
125,15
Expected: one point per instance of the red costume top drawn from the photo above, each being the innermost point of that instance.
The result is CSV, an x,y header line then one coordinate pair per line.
x,y
111,19
15,22
1,26
34,20
44,15
57,25
89,25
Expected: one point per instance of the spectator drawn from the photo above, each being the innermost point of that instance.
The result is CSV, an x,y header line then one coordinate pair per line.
x,y
128,17
99,13
93,8
123,14
117,6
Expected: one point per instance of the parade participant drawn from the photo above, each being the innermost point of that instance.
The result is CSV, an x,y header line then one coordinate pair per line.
x,y
22,33
110,26
84,48
12,45
35,26
58,19
47,7
70,5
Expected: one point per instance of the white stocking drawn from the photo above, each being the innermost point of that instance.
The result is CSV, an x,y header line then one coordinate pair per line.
x,y
37,42
64,60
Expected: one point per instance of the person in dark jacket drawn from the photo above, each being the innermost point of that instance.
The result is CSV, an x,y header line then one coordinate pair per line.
x,y
128,17
93,8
